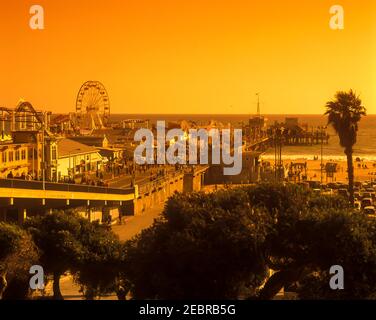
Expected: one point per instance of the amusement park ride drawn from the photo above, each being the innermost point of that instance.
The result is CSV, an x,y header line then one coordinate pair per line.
x,y
23,118
92,112
92,107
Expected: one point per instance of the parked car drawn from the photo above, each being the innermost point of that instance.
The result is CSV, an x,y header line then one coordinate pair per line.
x,y
344,193
357,184
332,185
367,202
314,184
365,185
327,192
357,205
370,210
366,195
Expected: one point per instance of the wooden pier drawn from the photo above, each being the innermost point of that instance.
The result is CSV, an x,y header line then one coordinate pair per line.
x,y
293,134
306,138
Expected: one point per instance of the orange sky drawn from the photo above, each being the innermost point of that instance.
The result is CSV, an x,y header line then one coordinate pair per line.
x,y
188,56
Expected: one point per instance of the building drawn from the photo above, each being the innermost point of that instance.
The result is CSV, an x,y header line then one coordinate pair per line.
x,y
250,173
113,156
135,124
76,160
99,141
14,160
291,123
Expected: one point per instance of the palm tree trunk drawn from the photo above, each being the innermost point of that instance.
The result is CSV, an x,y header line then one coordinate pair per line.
x,y
56,287
350,172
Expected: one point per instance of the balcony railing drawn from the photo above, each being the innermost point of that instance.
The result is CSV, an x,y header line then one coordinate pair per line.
x,y
50,186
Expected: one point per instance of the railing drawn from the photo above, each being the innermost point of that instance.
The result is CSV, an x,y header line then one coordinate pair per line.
x,y
152,185
50,186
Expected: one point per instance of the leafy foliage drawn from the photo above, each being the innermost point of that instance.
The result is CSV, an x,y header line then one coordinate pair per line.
x,y
17,254
100,264
217,245
205,246
57,236
344,114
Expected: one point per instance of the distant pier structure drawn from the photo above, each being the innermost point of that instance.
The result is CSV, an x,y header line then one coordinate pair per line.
x,y
295,134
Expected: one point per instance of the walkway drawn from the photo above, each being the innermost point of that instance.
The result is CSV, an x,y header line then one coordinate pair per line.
x,y
131,227
134,225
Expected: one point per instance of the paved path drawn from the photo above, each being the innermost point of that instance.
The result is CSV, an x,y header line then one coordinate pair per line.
x,y
131,227
126,181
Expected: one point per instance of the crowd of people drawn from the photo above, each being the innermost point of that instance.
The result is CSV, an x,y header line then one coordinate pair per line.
x,y
100,178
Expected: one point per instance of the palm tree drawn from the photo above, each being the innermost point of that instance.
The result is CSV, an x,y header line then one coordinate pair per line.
x,y
344,114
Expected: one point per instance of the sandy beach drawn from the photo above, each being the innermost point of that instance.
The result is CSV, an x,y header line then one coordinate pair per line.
x,y
363,170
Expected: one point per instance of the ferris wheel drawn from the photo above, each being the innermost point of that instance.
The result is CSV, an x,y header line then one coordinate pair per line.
x,y
93,105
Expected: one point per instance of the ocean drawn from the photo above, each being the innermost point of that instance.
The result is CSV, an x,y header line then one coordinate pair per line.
x,y
365,147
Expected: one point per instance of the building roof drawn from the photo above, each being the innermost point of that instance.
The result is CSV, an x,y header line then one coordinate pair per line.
x,y
95,141
68,147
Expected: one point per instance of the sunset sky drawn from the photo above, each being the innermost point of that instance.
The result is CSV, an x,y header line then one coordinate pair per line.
x,y
189,56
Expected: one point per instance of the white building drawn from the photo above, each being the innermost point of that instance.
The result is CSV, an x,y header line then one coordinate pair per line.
x,y
77,160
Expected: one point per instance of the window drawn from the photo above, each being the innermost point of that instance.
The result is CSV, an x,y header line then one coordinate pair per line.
x,y
54,153
23,154
18,155
10,156
4,157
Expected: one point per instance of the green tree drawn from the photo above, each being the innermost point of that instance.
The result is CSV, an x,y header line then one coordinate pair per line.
x,y
222,245
346,239
204,247
57,236
99,267
17,254
344,114
310,234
